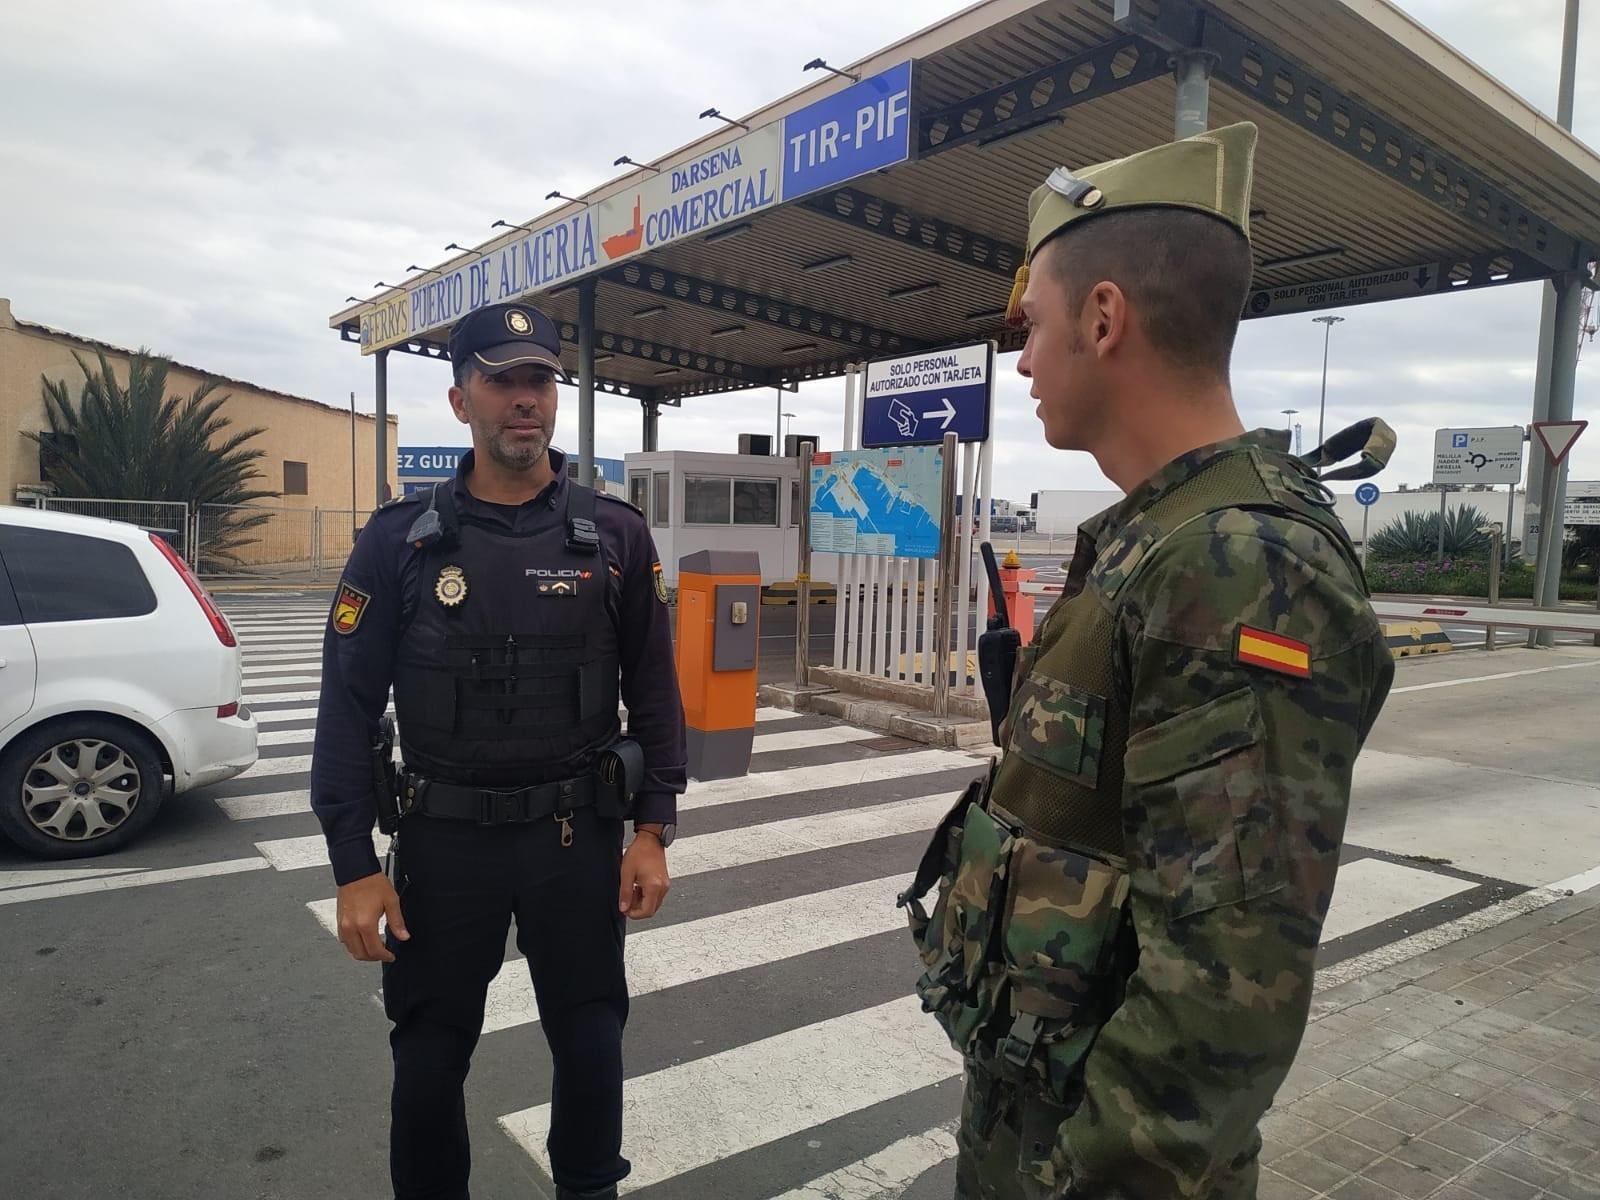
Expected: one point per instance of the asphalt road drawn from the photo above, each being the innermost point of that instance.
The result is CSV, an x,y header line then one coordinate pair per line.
x,y
182,1023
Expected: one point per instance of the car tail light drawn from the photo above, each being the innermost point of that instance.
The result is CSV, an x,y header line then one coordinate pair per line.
x,y
228,710
219,623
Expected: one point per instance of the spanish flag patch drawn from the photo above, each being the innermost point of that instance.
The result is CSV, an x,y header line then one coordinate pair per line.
x,y
1258,648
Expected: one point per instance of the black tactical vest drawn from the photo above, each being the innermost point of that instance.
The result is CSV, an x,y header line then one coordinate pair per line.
x,y
507,675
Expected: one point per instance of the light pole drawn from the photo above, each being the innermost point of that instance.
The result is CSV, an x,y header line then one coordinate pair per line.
x,y
1322,411
1288,424
787,417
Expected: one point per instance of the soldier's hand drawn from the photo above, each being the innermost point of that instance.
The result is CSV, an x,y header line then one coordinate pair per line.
x,y
644,878
361,903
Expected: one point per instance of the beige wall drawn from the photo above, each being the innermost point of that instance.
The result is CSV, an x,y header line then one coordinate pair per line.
x,y
295,429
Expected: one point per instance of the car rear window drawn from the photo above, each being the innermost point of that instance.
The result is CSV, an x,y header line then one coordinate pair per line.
x,y
72,577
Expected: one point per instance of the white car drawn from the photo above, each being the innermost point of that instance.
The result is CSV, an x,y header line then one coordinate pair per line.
x,y
116,670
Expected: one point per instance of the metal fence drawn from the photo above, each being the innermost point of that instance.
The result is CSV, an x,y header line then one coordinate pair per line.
x,y
169,518
255,541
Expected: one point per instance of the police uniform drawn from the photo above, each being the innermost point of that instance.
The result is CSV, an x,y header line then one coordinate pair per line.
x,y
1124,940
509,634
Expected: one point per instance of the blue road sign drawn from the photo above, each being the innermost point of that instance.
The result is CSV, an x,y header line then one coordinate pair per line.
x,y
1367,495
864,128
916,399
428,462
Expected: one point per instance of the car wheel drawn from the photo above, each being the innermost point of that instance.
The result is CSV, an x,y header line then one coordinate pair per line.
x,y
77,788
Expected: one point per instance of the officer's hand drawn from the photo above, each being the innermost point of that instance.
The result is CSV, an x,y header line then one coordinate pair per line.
x,y
644,878
361,903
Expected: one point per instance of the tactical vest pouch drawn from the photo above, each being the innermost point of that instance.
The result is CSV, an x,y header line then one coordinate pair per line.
x,y
1198,781
1063,912
1056,726
962,975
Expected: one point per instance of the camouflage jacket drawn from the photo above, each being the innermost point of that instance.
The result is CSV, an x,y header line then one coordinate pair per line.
x,y
1192,711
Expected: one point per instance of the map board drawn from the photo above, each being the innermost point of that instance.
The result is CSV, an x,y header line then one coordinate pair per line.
x,y
877,501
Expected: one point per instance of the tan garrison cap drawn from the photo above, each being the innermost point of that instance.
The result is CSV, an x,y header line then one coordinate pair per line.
x,y
1210,173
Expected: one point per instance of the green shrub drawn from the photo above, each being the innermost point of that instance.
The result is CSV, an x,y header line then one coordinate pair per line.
x,y
1412,536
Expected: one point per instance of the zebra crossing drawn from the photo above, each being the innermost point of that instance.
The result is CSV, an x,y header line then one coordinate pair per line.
x,y
775,1049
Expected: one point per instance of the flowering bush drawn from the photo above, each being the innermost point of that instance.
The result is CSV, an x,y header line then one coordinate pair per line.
x,y
1468,578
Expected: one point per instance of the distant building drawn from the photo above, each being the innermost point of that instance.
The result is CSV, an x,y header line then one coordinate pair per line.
x,y
307,443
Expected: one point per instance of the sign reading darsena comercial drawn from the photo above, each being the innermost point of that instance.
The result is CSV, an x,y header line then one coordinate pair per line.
x,y
725,185
862,128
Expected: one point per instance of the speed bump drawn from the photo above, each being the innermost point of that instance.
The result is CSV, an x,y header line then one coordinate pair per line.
x,y
1407,639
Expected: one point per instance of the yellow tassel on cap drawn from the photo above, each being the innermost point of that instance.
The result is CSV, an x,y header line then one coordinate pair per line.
x,y
1014,317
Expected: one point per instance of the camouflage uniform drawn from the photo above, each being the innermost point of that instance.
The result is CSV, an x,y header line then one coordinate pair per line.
x,y
1124,943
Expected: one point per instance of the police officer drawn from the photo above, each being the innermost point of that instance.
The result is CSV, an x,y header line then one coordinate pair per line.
x,y
504,607
1124,942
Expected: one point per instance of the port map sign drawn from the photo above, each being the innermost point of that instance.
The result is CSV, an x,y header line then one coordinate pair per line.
x,y
862,128
877,501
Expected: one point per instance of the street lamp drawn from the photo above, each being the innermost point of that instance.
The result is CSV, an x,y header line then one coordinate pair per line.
x,y
787,417
1322,412
1288,424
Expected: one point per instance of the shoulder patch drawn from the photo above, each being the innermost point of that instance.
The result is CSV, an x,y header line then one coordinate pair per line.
x,y
348,607
661,582
1258,648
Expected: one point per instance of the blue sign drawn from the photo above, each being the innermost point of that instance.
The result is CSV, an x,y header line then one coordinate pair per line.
x,y
864,128
1458,441
1367,495
916,399
429,462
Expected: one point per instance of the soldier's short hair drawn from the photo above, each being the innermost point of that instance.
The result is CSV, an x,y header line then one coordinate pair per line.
x,y
1186,276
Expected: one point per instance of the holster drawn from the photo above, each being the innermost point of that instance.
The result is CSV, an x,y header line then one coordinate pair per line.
x,y
385,776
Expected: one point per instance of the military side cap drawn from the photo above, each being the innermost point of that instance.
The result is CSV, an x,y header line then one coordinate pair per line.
x,y
503,336
1209,173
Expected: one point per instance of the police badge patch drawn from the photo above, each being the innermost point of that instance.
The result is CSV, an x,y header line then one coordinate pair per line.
x,y
661,582
348,607
450,589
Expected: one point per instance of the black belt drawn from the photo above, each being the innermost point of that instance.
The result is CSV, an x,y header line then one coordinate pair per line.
x,y
490,806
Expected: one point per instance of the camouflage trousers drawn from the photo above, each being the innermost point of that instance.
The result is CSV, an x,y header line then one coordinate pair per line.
x,y
1012,1160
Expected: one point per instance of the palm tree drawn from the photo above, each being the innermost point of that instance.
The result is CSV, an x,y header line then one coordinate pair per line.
x,y
138,443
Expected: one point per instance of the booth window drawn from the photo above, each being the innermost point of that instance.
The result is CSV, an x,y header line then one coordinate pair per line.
x,y
755,502
723,500
639,491
794,502
294,478
706,500
661,511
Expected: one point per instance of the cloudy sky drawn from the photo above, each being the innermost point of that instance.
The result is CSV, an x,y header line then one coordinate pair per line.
x,y
212,181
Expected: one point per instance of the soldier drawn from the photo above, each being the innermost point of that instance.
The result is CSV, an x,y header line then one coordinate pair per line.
x,y
1124,943
506,607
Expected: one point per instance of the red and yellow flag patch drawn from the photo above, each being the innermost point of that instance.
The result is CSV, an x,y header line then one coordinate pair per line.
x,y
1258,648
347,609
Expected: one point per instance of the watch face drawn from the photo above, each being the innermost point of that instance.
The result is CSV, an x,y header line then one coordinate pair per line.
x,y
668,832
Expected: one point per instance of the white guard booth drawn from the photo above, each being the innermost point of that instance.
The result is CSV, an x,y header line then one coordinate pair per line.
x,y
695,500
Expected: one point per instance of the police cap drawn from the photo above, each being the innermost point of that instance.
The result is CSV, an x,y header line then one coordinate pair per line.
x,y
503,336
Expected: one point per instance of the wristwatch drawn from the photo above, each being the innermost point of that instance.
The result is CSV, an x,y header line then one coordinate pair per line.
x,y
664,833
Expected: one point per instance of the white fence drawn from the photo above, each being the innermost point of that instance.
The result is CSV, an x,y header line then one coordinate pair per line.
x,y
887,609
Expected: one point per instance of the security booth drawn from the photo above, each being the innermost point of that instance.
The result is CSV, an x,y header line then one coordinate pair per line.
x,y
698,501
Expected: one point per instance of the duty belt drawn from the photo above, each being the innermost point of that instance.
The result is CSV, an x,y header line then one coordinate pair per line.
x,y
491,806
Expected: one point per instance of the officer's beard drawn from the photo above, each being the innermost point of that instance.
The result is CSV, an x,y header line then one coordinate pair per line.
x,y
518,454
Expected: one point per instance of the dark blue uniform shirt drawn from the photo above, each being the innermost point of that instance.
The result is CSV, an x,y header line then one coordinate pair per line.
x,y
358,667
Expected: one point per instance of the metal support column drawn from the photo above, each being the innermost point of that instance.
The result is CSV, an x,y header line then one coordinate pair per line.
x,y
1193,71
1563,383
381,432
652,425
586,382
1532,508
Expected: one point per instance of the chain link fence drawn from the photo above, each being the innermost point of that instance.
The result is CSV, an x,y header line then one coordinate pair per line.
x,y
169,518
256,542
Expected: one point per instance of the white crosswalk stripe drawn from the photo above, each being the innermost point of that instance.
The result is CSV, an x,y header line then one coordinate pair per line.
x,y
710,1108
789,1074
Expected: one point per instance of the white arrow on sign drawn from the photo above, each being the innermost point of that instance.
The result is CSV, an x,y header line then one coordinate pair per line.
x,y
948,413
1558,437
